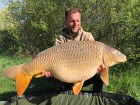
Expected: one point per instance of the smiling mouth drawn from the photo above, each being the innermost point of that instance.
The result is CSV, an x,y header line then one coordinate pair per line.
x,y
76,28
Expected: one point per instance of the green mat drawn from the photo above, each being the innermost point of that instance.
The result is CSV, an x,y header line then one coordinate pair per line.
x,y
68,98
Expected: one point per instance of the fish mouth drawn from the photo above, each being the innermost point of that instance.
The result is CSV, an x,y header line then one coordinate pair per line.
x,y
122,61
125,59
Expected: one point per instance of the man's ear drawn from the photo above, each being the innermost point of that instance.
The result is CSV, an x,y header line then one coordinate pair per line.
x,y
65,22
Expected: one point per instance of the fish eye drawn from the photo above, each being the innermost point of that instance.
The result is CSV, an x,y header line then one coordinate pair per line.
x,y
116,53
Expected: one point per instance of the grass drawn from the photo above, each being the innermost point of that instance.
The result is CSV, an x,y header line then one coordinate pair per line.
x,y
126,82
7,85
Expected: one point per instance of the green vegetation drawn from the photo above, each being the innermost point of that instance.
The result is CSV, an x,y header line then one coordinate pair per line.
x,y
35,24
6,84
30,26
126,82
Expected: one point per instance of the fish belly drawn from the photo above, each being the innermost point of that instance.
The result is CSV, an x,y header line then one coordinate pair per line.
x,y
73,76
69,62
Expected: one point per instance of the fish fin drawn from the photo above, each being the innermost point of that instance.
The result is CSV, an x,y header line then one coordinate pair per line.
x,y
77,87
39,75
22,81
104,75
13,71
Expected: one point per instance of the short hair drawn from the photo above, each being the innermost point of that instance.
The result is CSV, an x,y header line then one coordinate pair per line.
x,y
70,11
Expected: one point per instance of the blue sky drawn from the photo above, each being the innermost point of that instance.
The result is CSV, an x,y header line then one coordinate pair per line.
x,y
2,5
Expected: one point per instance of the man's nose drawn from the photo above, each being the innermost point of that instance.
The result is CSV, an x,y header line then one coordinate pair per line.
x,y
75,23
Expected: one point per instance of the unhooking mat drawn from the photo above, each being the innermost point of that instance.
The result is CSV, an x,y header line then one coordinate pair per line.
x,y
68,98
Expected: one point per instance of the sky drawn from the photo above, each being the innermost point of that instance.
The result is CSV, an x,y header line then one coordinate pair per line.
x,y
2,5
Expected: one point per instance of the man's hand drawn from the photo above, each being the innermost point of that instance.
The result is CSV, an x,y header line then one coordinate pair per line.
x,y
100,69
47,74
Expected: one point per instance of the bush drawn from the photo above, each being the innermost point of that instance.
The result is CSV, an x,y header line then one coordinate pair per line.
x,y
8,43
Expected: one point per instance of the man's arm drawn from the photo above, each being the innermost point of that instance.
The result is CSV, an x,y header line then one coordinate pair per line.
x,y
60,40
88,36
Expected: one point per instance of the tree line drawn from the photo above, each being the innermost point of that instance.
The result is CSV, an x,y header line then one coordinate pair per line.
x,y
33,25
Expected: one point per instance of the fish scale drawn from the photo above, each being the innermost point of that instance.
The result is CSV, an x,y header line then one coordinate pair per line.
x,y
71,62
70,58
76,58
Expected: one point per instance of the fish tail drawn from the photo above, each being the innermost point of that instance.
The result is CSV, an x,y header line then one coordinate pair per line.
x,y
22,81
13,71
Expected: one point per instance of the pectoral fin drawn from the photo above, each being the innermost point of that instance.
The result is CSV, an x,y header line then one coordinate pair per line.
x,y
22,81
104,75
39,75
77,87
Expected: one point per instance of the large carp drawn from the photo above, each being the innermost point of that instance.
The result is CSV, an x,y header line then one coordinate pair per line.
x,y
71,62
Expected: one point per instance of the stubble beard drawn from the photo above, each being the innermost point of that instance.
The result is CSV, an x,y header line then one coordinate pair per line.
x,y
73,33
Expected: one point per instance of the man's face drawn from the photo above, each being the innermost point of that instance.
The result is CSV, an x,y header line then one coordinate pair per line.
x,y
73,22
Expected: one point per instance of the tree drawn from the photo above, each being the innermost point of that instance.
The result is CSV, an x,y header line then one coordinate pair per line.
x,y
114,22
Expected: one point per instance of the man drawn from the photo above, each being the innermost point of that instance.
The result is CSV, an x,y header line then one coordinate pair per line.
x,y
75,32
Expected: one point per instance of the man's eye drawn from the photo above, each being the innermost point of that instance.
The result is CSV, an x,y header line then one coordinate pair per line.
x,y
72,21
